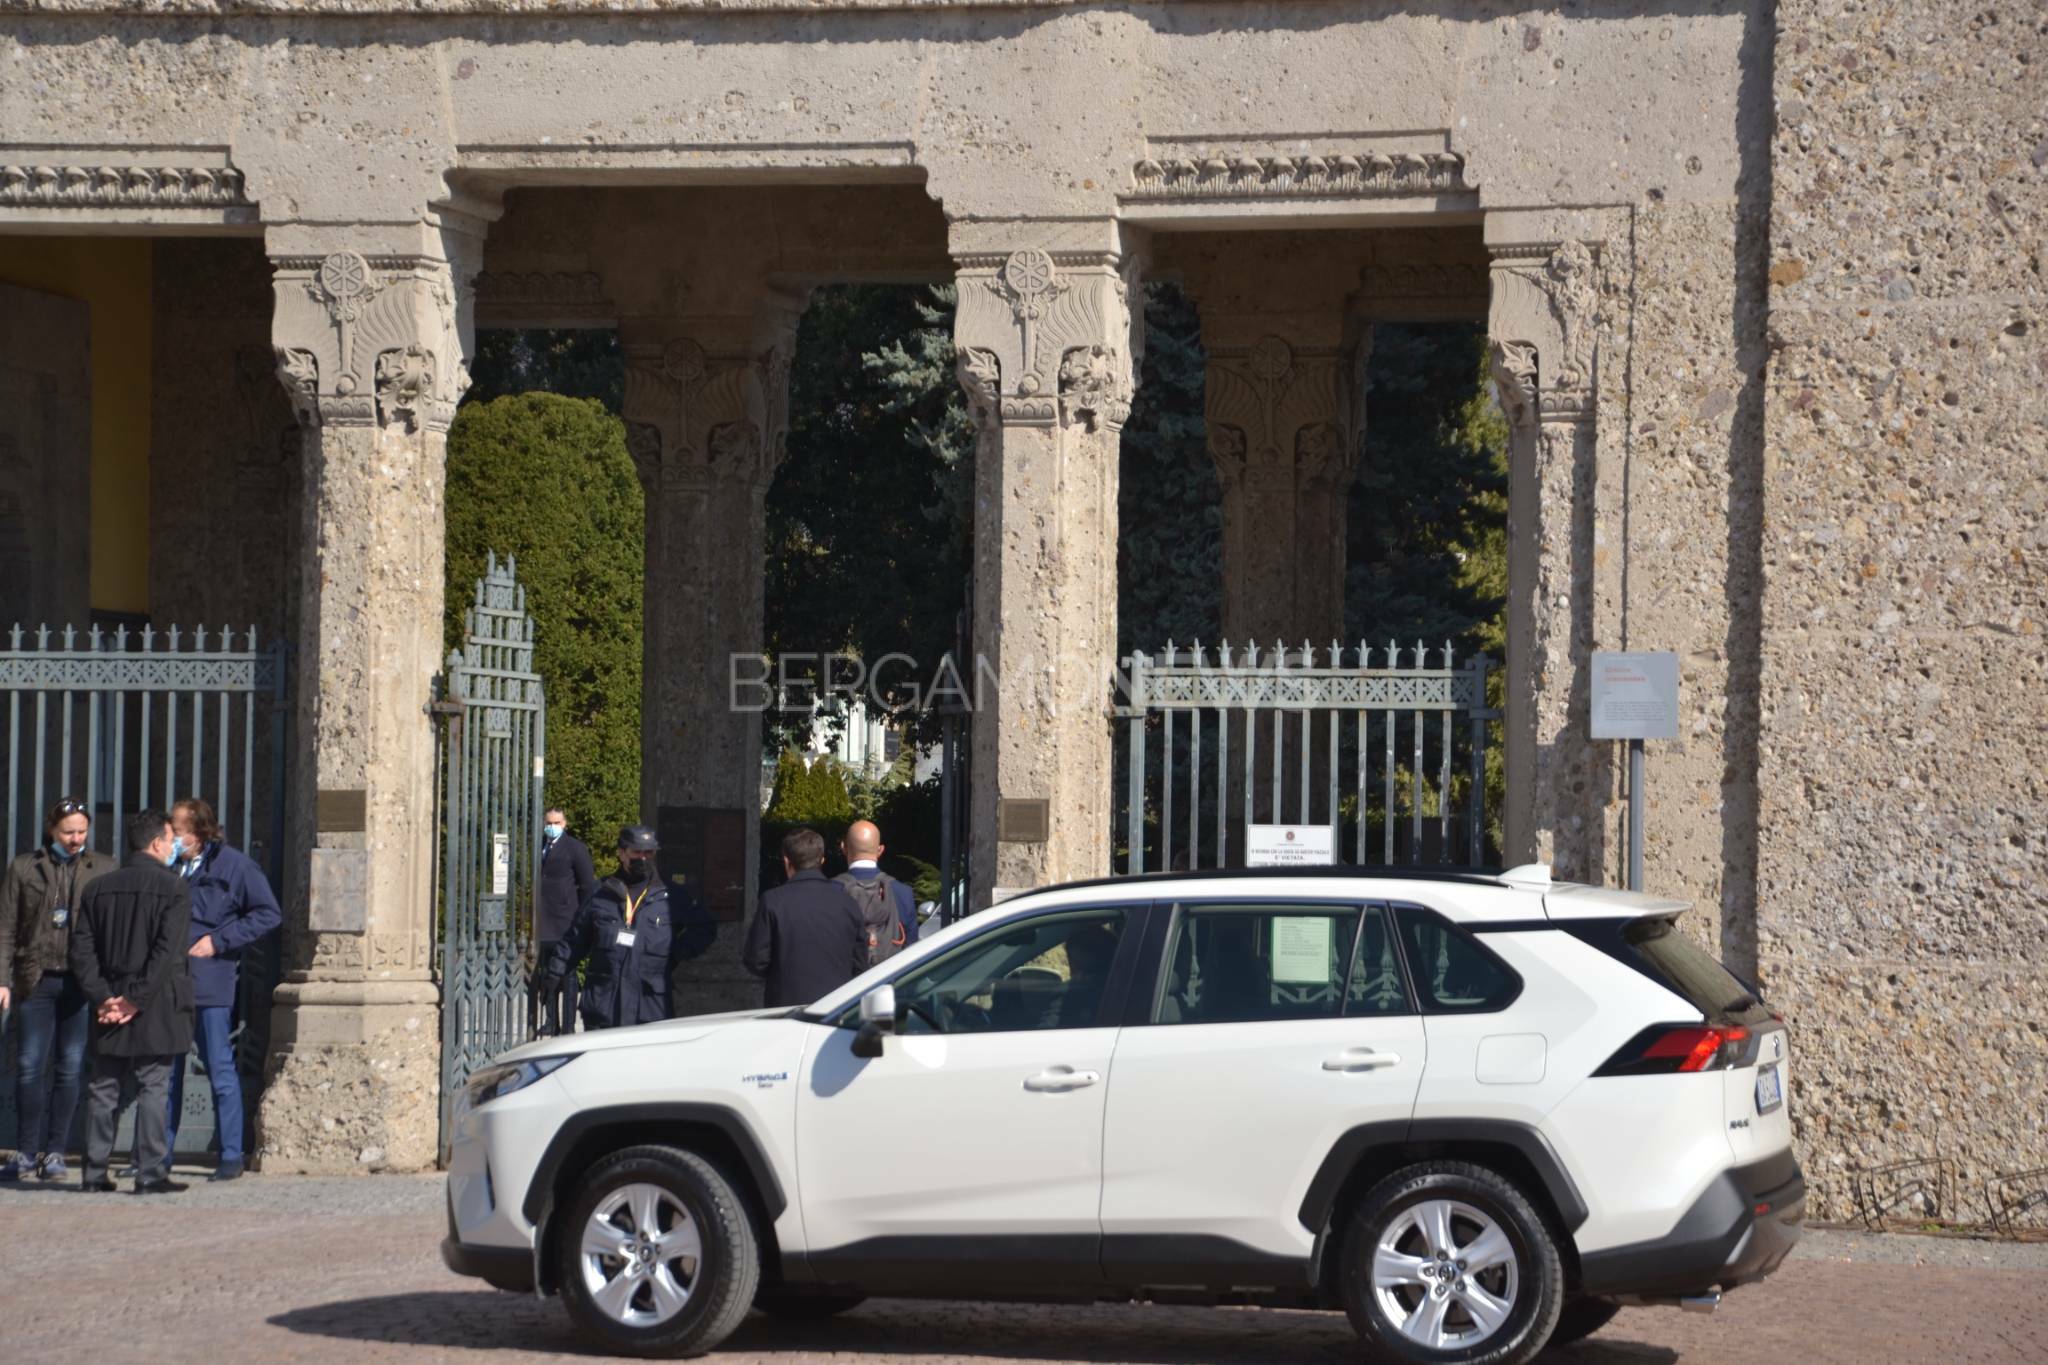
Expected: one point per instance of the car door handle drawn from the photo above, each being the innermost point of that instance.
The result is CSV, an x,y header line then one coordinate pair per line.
x,y
1361,1059
1055,1079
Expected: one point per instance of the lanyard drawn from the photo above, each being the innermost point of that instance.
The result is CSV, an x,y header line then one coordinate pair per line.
x,y
633,903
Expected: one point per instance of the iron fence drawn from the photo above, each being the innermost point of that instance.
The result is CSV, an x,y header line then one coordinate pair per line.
x,y
1394,758
126,720
493,741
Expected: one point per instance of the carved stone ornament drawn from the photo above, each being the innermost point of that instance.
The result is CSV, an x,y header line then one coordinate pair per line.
x,y
1569,281
1512,367
1236,175
143,187
695,420
1268,404
1045,338
368,340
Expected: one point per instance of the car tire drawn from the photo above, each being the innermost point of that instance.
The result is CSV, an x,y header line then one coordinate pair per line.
x,y
1411,1297
686,1263
796,1305
1581,1318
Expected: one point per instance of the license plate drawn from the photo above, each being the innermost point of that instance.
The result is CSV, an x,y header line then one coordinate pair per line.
x,y
1770,1089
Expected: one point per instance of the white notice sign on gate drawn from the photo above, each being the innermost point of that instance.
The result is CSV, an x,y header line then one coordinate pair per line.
x,y
501,864
1290,845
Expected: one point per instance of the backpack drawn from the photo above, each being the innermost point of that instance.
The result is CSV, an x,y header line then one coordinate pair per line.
x,y
877,902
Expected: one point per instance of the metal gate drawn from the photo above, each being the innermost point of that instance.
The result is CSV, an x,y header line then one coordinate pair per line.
x,y
1396,758
125,720
493,739
956,788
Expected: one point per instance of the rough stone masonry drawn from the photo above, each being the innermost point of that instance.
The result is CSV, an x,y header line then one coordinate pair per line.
x,y
1763,286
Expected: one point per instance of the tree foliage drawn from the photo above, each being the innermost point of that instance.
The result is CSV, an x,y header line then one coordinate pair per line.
x,y
547,479
812,794
573,362
870,516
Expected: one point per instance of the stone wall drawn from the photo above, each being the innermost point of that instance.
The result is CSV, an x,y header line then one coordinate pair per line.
x,y
1903,868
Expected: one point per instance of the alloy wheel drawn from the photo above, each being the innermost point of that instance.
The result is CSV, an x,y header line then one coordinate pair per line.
x,y
1444,1274
640,1255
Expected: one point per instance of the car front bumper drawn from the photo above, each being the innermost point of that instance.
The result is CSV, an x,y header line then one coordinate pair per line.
x,y
1738,1231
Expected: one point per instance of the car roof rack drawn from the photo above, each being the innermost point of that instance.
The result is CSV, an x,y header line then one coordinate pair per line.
x,y
1464,876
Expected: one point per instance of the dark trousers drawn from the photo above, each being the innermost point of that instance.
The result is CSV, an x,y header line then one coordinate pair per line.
x,y
151,1077
551,1012
213,1032
51,1025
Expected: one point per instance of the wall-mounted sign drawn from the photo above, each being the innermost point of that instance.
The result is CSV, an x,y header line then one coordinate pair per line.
x,y
1290,845
1635,695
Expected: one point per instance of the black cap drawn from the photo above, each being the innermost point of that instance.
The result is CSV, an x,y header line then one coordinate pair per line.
x,y
639,839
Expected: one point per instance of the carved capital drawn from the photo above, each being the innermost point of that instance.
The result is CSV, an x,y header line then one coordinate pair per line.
x,y
1273,408
1048,337
370,340
695,419
1512,366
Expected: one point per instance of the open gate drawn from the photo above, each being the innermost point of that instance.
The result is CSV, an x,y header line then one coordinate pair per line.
x,y
493,741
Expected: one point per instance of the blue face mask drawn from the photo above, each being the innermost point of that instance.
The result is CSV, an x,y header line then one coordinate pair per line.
x,y
177,850
554,832
61,853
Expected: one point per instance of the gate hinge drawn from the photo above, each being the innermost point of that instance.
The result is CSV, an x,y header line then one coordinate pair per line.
x,y
445,708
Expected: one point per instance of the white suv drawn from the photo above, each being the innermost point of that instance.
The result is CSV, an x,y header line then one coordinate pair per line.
x,y
1477,1112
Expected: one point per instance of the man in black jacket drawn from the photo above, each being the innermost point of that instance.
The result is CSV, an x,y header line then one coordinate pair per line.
x,y
128,945
807,939
630,933
567,881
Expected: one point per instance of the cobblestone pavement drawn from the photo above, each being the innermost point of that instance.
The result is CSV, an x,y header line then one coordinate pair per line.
x,y
348,1270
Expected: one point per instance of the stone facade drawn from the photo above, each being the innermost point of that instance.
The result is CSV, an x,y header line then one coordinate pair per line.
x,y
1765,317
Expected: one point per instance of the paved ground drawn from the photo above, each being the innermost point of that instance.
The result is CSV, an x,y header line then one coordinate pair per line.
x,y
298,1269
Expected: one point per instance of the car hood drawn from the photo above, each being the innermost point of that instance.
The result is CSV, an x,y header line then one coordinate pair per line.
x,y
640,1035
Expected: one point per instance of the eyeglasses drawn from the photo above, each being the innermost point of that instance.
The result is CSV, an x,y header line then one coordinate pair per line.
x,y
70,807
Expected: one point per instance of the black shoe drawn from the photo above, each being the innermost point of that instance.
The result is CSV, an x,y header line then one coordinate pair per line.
x,y
102,1185
227,1170
162,1185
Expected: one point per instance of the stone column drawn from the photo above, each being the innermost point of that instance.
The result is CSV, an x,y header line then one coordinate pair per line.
x,y
1284,400
371,334
706,408
1048,340
1543,348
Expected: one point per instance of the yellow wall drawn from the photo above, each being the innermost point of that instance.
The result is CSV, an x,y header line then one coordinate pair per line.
x,y
111,275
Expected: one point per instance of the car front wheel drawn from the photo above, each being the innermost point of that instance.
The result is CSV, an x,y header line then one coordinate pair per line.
x,y
656,1253
1448,1263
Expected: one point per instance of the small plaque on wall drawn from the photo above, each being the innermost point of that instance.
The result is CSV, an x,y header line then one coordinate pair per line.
x,y
1023,820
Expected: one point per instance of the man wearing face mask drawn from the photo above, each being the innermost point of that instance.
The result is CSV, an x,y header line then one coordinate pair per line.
x,y
128,951
232,907
566,882
38,897
631,932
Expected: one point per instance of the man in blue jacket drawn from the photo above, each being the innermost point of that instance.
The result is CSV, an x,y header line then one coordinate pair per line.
x,y
232,907
630,933
877,893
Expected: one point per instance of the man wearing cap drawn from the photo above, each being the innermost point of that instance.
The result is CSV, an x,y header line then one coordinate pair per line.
x,y
631,932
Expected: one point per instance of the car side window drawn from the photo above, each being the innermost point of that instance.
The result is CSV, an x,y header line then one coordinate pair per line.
x,y
1046,972
1378,986
1453,972
1233,964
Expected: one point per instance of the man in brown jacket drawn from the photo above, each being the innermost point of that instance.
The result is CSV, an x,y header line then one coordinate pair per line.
x,y
128,951
38,896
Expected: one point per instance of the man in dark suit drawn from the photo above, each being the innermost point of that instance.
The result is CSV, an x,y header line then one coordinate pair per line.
x,y
128,951
807,938
567,881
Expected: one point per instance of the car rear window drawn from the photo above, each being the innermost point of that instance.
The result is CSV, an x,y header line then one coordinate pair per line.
x,y
1692,972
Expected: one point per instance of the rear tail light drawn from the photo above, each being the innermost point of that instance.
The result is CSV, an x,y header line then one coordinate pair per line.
x,y
1664,1049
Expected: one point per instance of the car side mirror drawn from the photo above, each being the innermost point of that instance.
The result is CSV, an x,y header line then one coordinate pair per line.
x,y
877,1019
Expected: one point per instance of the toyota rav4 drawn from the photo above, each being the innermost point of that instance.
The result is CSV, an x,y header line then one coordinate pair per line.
x,y
1479,1113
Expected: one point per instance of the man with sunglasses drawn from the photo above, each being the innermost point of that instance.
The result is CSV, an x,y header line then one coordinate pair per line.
x,y
38,897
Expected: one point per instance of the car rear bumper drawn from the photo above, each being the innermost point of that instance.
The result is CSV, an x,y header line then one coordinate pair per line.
x,y
1737,1232
501,1267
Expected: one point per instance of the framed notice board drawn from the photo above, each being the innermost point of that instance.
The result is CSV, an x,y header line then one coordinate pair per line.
x,y
707,847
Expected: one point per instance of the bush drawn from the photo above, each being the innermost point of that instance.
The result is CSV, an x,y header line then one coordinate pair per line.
x,y
811,794
547,480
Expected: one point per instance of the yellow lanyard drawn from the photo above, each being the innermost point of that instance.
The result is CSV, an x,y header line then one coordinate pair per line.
x,y
633,905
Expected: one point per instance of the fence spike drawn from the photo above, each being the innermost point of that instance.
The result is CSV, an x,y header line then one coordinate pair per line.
x,y
121,638
1251,655
92,638
1279,654
199,639
43,636
1419,655
148,638
1223,653
70,633
1393,653
14,636
1198,651
1336,654
1447,656
171,639
252,637
1169,651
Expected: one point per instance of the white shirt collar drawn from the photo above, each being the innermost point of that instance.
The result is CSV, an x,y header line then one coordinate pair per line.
x,y
859,863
